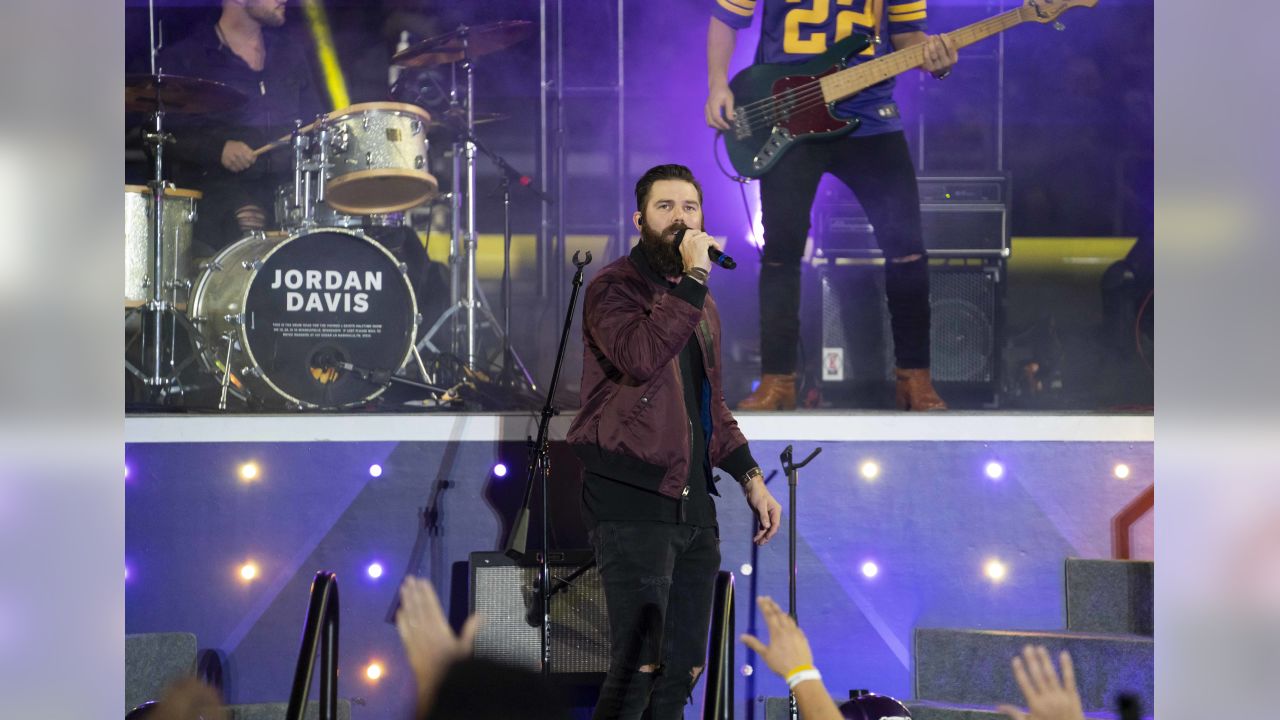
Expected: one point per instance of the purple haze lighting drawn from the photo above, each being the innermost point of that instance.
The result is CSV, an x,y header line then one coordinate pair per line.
x,y
500,470
375,470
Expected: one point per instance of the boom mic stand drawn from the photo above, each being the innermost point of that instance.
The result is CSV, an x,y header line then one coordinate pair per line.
x,y
790,469
540,463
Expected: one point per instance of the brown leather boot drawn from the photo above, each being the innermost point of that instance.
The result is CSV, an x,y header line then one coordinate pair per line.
x,y
776,392
915,391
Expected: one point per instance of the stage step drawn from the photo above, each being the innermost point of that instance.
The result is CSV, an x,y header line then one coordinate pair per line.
x,y
971,667
921,710
276,711
154,660
1111,596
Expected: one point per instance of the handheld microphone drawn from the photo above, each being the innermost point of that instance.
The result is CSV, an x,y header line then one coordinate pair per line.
x,y
716,256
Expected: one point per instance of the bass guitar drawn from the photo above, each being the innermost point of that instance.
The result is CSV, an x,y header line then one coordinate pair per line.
x,y
780,104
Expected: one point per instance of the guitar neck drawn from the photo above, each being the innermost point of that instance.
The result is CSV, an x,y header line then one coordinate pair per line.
x,y
841,85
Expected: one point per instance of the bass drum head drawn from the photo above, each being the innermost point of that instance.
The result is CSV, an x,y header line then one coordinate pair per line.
x,y
323,298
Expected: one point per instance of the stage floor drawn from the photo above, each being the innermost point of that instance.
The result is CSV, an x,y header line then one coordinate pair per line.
x,y
834,426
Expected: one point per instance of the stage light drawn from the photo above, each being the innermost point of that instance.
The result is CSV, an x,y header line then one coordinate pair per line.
x,y
126,572
375,570
373,671
375,470
746,569
500,470
1121,471
995,570
126,471
870,569
747,670
249,471
248,571
870,470
995,470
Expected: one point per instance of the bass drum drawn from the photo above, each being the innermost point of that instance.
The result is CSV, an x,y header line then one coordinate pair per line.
x,y
294,309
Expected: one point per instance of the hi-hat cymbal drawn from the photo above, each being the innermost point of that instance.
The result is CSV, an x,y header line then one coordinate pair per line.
x,y
179,94
465,41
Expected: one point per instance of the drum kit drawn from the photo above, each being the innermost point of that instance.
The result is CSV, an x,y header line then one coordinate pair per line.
x,y
317,314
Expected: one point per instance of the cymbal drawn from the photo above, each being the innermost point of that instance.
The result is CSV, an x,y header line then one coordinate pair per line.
x,y
456,45
455,120
180,94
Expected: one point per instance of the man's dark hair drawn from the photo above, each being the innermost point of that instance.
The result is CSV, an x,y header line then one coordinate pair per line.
x,y
663,172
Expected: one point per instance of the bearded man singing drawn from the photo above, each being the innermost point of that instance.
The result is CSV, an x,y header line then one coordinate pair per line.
x,y
653,424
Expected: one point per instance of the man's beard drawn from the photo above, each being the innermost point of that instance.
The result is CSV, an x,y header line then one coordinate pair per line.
x,y
266,17
660,249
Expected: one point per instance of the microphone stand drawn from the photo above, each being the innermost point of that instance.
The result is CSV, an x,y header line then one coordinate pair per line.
x,y
790,469
540,464
509,174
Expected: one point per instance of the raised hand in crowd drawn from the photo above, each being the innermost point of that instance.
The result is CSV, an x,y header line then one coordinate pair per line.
x,y
429,642
189,699
1048,696
788,655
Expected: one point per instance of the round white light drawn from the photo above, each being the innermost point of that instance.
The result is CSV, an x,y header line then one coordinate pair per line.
x,y
375,570
375,470
373,671
248,571
249,471
870,470
1121,471
747,670
994,470
746,569
870,569
995,570
500,470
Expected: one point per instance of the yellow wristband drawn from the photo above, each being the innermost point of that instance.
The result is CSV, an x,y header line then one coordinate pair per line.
x,y
797,669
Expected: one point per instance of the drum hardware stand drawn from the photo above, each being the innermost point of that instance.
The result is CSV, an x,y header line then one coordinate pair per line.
x,y
511,361
154,374
540,464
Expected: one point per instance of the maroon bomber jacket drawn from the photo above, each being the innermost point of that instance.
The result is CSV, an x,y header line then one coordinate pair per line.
x,y
633,426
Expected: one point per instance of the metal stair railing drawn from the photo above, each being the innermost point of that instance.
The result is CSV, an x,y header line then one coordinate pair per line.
x,y
321,630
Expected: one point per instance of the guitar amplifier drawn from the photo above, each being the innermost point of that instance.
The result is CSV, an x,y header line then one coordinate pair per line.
x,y
505,592
966,300
960,217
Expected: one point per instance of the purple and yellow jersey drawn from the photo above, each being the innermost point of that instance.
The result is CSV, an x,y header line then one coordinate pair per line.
x,y
795,30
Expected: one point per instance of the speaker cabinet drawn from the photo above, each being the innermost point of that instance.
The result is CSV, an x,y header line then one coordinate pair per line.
x,y
505,593
857,344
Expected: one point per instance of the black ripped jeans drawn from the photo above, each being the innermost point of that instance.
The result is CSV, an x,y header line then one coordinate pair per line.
x,y
658,584
878,169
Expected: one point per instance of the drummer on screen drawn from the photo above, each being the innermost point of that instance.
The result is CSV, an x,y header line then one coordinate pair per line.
x,y
248,49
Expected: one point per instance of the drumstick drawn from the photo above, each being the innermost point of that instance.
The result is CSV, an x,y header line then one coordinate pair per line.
x,y
272,145
285,139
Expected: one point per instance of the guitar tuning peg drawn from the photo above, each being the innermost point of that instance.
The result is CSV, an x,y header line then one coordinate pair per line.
x,y
1057,25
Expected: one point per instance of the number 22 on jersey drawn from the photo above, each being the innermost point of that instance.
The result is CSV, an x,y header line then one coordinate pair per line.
x,y
801,37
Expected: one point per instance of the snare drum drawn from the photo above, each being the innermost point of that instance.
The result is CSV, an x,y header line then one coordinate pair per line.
x,y
378,159
179,228
296,308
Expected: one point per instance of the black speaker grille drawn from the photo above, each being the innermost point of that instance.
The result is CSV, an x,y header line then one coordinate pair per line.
x,y
965,304
502,592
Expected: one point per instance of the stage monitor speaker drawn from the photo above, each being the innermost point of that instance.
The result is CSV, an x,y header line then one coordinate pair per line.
x,y
966,301
505,593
